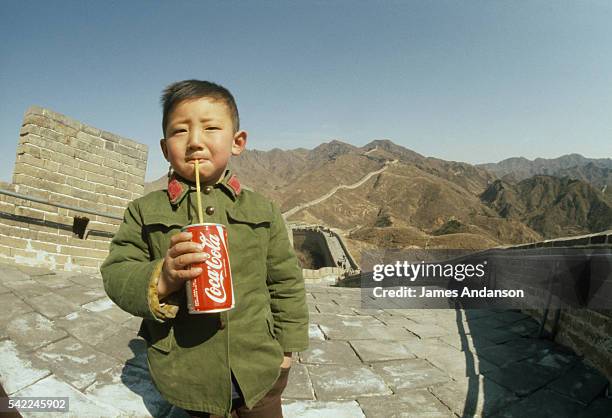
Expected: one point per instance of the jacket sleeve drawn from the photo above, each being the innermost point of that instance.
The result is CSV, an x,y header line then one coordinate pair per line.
x,y
286,286
130,277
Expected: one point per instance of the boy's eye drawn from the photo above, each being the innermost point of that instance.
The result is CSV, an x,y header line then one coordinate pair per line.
x,y
178,131
212,128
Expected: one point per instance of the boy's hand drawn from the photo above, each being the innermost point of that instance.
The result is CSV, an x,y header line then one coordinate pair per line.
x,y
286,360
182,253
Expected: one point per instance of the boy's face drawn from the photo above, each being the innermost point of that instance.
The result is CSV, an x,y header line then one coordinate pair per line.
x,y
201,129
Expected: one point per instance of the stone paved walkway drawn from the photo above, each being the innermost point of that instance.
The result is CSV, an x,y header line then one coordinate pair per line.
x,y
61,336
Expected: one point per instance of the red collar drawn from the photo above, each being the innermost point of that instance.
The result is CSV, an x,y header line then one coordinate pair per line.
x,y
178,187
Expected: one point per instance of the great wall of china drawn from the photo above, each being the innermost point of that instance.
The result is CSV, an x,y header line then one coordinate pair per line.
x,y
72,165
81,178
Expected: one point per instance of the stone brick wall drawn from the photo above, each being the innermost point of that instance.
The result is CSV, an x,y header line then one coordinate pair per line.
x,y
322,274
324,241
64,161
337,262
587,331
338,247
313,242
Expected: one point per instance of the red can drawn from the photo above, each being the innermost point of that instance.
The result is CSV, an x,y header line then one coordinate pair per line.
x,y
211,291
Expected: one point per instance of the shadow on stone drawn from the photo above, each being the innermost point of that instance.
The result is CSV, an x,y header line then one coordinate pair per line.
x,y
531,375
138,380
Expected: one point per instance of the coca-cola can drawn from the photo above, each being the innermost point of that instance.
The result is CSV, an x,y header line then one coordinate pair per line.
x,y
212,291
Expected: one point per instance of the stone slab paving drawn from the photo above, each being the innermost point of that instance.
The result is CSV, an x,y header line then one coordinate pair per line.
x,y
315,333
332,382
393,332
81,294
525,328
4,289
498,336
59,280
474,397
502,354
316,409
88,327
33,330
330,352
133,352
299,385
486,322
80,405
107,309
370,351
130,390
522,378
18,368
27,289
599,408
427,330
460,366
333,309
542,404
582,383
53,307
63,337
17,308
410,374
87,280
466,342
413,404
76,363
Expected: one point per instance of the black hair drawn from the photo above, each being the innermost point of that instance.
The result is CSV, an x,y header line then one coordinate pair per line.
x,y
197,89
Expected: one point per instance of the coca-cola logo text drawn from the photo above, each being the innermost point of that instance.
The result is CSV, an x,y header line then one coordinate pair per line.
x,y
214,265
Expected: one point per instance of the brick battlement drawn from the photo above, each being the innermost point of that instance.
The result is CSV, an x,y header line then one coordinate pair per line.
x,y
587,331
64,161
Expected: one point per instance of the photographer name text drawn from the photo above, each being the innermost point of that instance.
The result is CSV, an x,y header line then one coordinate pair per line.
x,y
412,292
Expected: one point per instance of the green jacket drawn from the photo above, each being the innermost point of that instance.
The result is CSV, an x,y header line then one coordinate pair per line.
x,y
190,356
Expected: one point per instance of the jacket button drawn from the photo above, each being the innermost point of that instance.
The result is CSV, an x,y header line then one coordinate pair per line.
x,y
210,210
207,189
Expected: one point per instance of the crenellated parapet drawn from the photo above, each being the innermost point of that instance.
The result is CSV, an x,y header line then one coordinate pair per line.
x,y
331,256
71,184
586,331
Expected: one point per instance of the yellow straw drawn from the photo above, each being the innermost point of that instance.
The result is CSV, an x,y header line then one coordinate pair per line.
x,y
199,198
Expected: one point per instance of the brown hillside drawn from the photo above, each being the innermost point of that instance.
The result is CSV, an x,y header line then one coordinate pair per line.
x,y
385,195
596,171
551,206
414,200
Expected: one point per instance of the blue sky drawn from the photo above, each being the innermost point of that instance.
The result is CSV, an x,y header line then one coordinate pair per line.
x,y
474,81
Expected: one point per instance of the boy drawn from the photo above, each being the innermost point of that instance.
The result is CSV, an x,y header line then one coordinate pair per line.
x,y
235,361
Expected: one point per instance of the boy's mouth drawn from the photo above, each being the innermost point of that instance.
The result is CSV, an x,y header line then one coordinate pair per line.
x,y
193,160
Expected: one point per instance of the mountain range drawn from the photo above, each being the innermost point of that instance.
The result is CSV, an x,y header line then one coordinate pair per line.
x,y
385,195
596,171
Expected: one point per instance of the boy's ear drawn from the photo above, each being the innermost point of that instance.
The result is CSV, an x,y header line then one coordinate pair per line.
x,y
162,144
239,142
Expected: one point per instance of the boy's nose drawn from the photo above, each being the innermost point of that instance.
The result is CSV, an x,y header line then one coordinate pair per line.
x,y
195,140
